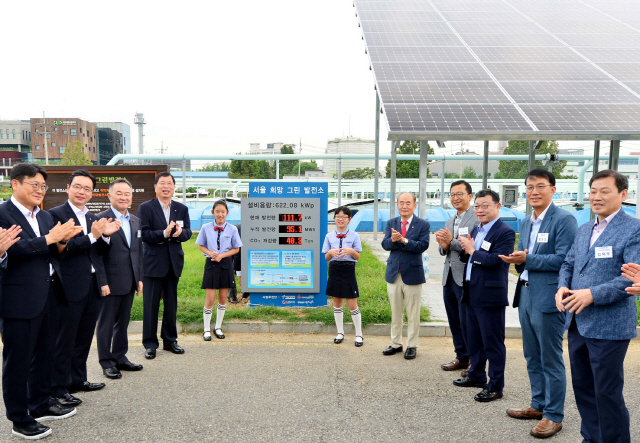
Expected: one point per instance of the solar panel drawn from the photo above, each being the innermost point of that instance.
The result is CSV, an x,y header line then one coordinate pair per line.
x,y
505,69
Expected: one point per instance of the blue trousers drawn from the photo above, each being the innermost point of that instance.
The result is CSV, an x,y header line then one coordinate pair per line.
x,y
597,376
485,333
457,316
542,344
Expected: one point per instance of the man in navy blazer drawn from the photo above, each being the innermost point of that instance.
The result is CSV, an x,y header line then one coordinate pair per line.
x,y
30,286
485,293
84,284
165,225
123,267
602,315
406,237
545,239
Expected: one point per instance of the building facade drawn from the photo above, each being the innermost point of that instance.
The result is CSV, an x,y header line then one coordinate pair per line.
x,y
348,145
60,133
113,138
15,135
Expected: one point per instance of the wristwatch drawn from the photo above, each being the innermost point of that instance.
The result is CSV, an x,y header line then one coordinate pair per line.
x,y
405,241
63,242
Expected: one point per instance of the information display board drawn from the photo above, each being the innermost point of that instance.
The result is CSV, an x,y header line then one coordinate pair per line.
x,y
283,228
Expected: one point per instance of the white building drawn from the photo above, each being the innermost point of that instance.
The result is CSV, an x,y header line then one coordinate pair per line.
x,y
349,145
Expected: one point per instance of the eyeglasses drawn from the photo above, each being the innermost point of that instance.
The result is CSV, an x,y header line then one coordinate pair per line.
x,y
483,206
339,217
38,187
538,188
458,194
82,188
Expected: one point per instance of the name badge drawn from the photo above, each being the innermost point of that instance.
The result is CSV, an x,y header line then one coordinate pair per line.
x,y
463,231
604,252
485,245
180,223
139,234
543,237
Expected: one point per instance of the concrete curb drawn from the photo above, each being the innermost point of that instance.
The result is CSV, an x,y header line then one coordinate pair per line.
x,y
431,329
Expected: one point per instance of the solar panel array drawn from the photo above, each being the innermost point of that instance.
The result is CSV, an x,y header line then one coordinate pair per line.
x,y
503,69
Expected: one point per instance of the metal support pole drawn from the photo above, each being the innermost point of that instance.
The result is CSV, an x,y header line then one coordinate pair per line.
x,y
392,192
277,169
532,164
596,156
442,185
422,178
614,154
46,147
376,169
485,164
339,181
184,181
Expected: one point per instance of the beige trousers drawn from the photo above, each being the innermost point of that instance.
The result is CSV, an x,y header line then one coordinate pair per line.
x,y
401,296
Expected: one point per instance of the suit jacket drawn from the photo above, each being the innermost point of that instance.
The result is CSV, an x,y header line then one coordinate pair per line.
x,y
452,260
489,282
123,264
613,313
545,259
406,258
26,279
159,252
79,255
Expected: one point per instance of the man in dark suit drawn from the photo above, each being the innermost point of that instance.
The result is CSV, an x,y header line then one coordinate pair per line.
x,y
545,239
165,225
485,293
602,315
84,284
30,286
406,237
123,267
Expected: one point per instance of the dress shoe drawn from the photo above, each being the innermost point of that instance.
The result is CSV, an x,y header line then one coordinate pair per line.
x,y
128,366
546,428
410,353
391,350
466,382
464,373
32,431
359,342
149,353
55,412
455,364
233,295
338,338
218,333
526,412
112,373
206,335
67,400
85,386
173,347
487,394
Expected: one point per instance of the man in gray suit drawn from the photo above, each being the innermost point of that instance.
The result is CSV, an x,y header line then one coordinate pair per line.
x,y
460,224
545,239
123,266
601,315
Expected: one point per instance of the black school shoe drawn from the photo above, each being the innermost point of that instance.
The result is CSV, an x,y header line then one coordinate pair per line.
x,y
32,431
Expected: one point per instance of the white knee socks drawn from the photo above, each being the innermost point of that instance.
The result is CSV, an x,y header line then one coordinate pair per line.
x,y
206,315
220,315
337,313
356,318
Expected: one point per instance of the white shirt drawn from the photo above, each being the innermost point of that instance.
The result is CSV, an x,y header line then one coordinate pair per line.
x,y
82,218
30,215
599,227
535,228
167,213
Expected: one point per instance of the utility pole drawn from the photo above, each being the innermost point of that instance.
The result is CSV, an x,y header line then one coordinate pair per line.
x,y
45,134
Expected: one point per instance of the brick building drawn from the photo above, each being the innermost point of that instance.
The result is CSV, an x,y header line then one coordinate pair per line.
x,y
58,136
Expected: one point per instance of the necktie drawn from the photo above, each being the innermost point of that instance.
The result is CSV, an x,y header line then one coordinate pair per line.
x,y
404,228
219,229
341,236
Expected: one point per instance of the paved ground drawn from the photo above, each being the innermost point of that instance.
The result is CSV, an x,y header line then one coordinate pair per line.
x,y
432,291
303,388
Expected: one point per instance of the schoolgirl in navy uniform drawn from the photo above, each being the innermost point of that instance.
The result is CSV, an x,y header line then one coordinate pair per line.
x,y
342,249
218,241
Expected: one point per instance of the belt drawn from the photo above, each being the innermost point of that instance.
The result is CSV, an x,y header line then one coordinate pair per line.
x,y
524,283
343,263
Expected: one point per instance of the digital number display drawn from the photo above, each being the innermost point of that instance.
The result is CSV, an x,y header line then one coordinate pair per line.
x,y
290,217
290,240
290,229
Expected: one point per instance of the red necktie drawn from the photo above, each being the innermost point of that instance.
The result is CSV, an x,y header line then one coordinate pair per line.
x,y
341,236
218,228
404,228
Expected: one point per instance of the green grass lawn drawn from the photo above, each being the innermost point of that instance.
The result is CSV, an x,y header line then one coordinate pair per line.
x,y
373,301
